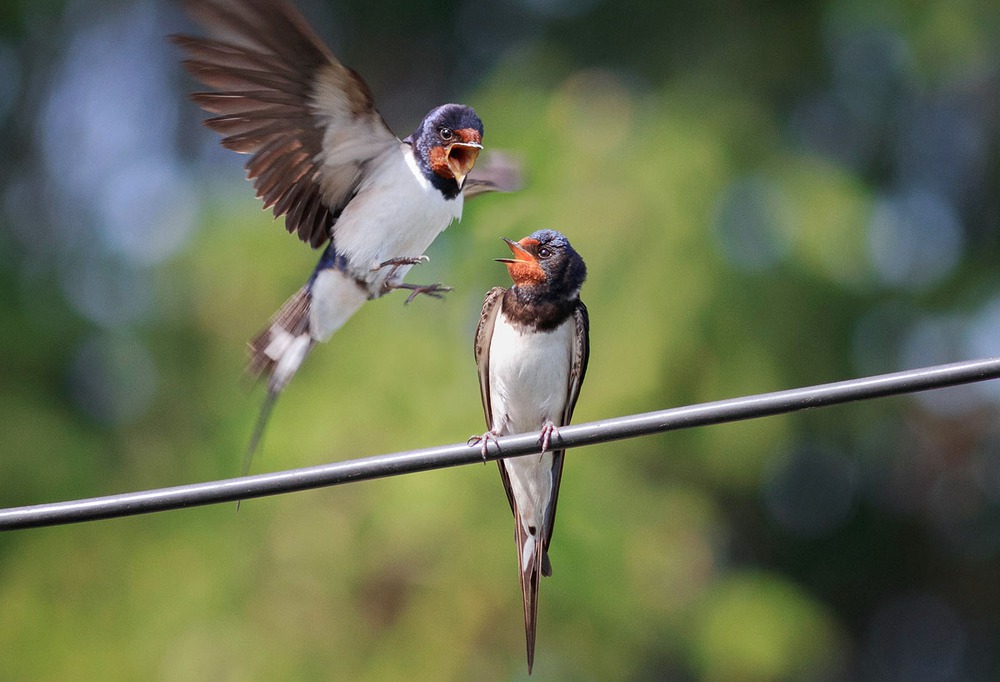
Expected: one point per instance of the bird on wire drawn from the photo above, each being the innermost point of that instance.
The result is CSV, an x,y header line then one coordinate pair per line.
x,y
322,156
532,346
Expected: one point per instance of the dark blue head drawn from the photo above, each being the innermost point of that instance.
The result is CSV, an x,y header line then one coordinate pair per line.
x,y
546,264
446,145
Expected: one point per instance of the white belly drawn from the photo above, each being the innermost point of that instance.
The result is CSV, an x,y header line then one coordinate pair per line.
x,y
336,296
397,214
529,378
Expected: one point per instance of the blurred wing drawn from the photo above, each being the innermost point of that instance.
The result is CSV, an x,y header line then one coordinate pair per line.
x,y
577,371
308,121
498,172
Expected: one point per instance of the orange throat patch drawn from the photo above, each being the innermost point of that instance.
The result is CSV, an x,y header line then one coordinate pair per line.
x,y
526,272
439,162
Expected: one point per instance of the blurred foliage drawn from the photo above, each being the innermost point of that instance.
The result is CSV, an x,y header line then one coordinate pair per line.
x,y
766,195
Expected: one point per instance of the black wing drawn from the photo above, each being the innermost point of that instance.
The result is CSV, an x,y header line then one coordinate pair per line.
x,y
308,121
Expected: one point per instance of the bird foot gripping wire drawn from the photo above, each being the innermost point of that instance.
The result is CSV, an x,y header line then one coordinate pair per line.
x,y
484,442
548,430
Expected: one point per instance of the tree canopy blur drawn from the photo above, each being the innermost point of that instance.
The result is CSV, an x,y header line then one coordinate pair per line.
x,y
767,195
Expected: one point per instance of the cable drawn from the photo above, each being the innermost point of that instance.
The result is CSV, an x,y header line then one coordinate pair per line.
x,y
632,426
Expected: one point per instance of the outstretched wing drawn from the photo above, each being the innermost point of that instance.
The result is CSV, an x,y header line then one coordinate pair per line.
x,y
308,121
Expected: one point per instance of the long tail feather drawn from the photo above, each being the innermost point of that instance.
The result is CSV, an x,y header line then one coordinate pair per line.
x,y
530,555
276,343
311,315
277,353
258,434
258,431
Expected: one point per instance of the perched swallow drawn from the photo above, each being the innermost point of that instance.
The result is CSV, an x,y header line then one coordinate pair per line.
x,y
322,156
532,346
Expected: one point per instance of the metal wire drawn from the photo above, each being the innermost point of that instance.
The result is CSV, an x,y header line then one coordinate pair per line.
x,y
632,426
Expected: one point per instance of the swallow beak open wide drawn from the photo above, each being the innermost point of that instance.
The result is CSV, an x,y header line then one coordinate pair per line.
x,y
519,253
463,152
524,268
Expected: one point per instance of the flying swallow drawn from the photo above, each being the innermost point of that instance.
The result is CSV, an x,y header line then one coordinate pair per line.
x,y
322,156
532,347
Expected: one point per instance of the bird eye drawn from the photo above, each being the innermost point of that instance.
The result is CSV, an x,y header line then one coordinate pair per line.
x,y
544,252
445,133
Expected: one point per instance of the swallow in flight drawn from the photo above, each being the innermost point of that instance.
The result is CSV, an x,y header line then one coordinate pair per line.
x,y
322,156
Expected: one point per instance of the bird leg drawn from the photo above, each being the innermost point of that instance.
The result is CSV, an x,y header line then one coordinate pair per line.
x,y
548,429
397,263
433,290
485,441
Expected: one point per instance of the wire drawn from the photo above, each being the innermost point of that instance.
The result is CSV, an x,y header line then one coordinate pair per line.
x,y
380,466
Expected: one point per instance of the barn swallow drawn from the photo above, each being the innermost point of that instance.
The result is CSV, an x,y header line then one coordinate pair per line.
x,y
532,347
322,156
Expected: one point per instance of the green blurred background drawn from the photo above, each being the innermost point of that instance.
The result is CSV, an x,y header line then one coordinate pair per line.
x,y
767,195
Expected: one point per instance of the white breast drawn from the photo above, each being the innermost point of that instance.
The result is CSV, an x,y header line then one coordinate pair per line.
x,y
396,214
529,379
529,375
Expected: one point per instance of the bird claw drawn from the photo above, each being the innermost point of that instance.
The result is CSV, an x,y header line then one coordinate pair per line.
x,y
433,290
484,441
397,263
548,429
403,260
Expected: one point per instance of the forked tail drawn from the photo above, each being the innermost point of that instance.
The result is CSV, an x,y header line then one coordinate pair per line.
x,y
278,350
313,314
258,433
277,353
529,554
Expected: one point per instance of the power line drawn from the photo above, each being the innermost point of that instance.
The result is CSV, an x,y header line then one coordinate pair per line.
x,y
380,466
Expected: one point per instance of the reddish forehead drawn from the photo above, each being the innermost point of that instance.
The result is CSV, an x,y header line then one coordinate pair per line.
x,y
469,135
528,241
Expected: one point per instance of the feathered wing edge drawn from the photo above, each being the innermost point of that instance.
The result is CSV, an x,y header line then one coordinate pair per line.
x,y
577,372
281,96
484,334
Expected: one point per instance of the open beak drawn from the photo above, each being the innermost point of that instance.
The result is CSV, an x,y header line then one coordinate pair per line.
x,y
462,155
519,253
